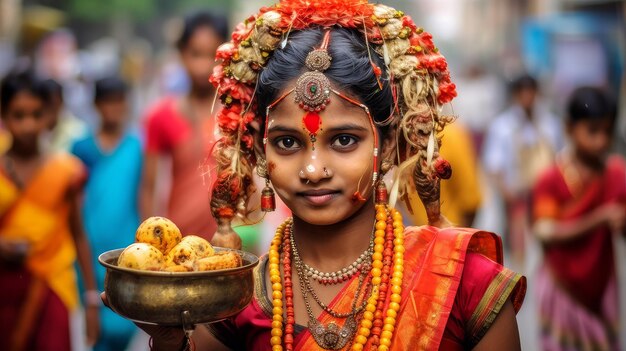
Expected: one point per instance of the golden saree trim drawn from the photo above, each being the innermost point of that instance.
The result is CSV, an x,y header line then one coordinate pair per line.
x,y
498,292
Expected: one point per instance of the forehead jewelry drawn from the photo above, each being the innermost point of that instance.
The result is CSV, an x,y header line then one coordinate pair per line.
x,y
312,91
312,94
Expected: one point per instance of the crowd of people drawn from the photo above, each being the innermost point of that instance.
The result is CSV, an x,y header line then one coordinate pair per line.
x,y
72,187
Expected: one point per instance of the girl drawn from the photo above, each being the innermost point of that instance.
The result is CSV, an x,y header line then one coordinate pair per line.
x,y
41,234
323,98
113,158
577,205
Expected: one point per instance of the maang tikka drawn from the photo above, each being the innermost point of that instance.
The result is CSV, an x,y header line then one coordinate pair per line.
x,y
313,89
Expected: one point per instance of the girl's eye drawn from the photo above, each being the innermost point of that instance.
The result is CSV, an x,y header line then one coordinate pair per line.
x,y
344,142
287,143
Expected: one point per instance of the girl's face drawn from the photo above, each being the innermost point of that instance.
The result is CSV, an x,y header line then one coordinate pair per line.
x,y
113,109
198,56
318,183
592,138
25,119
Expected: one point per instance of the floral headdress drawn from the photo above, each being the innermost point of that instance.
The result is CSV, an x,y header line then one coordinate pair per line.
x,y
419,78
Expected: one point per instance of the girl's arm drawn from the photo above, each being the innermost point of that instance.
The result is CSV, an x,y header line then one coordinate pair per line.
x,y
503,333
551,230
86,268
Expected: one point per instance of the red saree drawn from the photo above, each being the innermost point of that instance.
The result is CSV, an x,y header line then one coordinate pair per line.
x,y
577,288
457,289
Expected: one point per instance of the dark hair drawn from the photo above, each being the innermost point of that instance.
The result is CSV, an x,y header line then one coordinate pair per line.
x,y
350,69
109,86
591,103
16,83
197,20
523,82
53,88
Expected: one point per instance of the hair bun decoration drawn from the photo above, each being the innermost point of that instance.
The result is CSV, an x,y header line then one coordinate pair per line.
x,y
418,71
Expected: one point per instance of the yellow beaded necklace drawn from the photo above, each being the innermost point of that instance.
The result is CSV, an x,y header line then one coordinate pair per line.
x,y
379,280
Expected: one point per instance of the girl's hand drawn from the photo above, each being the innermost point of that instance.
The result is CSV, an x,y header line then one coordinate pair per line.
x,y
92,322
163,338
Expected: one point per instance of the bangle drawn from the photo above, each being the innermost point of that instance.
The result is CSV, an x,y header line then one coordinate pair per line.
x,y
92,298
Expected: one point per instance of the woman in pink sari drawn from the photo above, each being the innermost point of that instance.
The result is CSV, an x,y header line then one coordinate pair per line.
x,y
579,204
183,130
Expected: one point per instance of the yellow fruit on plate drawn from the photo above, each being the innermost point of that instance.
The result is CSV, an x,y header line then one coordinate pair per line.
x,y
201,246
182,254
141,256
177,269
221,260
159,232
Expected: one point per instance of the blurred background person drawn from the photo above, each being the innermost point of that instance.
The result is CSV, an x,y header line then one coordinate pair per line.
x,y
461,194
41,235
520,143
110,207
57,57
182,129
64,128
579,210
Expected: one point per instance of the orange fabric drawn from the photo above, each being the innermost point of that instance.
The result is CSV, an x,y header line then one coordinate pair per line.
x,y
436,256
40,218
545,207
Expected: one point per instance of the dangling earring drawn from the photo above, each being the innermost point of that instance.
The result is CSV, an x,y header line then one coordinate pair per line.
x,y
268,202
382,197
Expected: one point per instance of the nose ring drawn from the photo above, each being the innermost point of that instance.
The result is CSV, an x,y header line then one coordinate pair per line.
x,y
301,174
326,172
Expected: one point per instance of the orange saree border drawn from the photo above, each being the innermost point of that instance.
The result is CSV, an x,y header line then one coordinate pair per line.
x,y
437,257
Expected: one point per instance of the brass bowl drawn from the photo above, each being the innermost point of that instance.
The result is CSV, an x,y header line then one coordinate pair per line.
x,y
178,299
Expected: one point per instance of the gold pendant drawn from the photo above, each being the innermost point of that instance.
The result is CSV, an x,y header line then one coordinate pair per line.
x,y
331,336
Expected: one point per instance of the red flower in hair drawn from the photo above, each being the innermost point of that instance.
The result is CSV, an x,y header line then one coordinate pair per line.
x,y
434,63
447,92
225,51
248,141
443,168
423,40
346,13
230,119
217,75
242,30
237,90
407,21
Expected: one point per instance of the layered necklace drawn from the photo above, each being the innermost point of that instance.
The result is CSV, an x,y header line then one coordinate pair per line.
x,y
372,321
331,336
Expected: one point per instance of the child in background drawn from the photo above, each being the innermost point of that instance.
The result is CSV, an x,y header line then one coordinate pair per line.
x,y
110,208
64,127
578,204
41,235
182,129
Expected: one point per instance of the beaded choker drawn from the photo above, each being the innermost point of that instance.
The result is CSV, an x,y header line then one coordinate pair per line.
x,y
363,262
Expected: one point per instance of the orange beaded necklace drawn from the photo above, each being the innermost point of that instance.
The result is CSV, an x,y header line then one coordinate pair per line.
x,y
379,318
